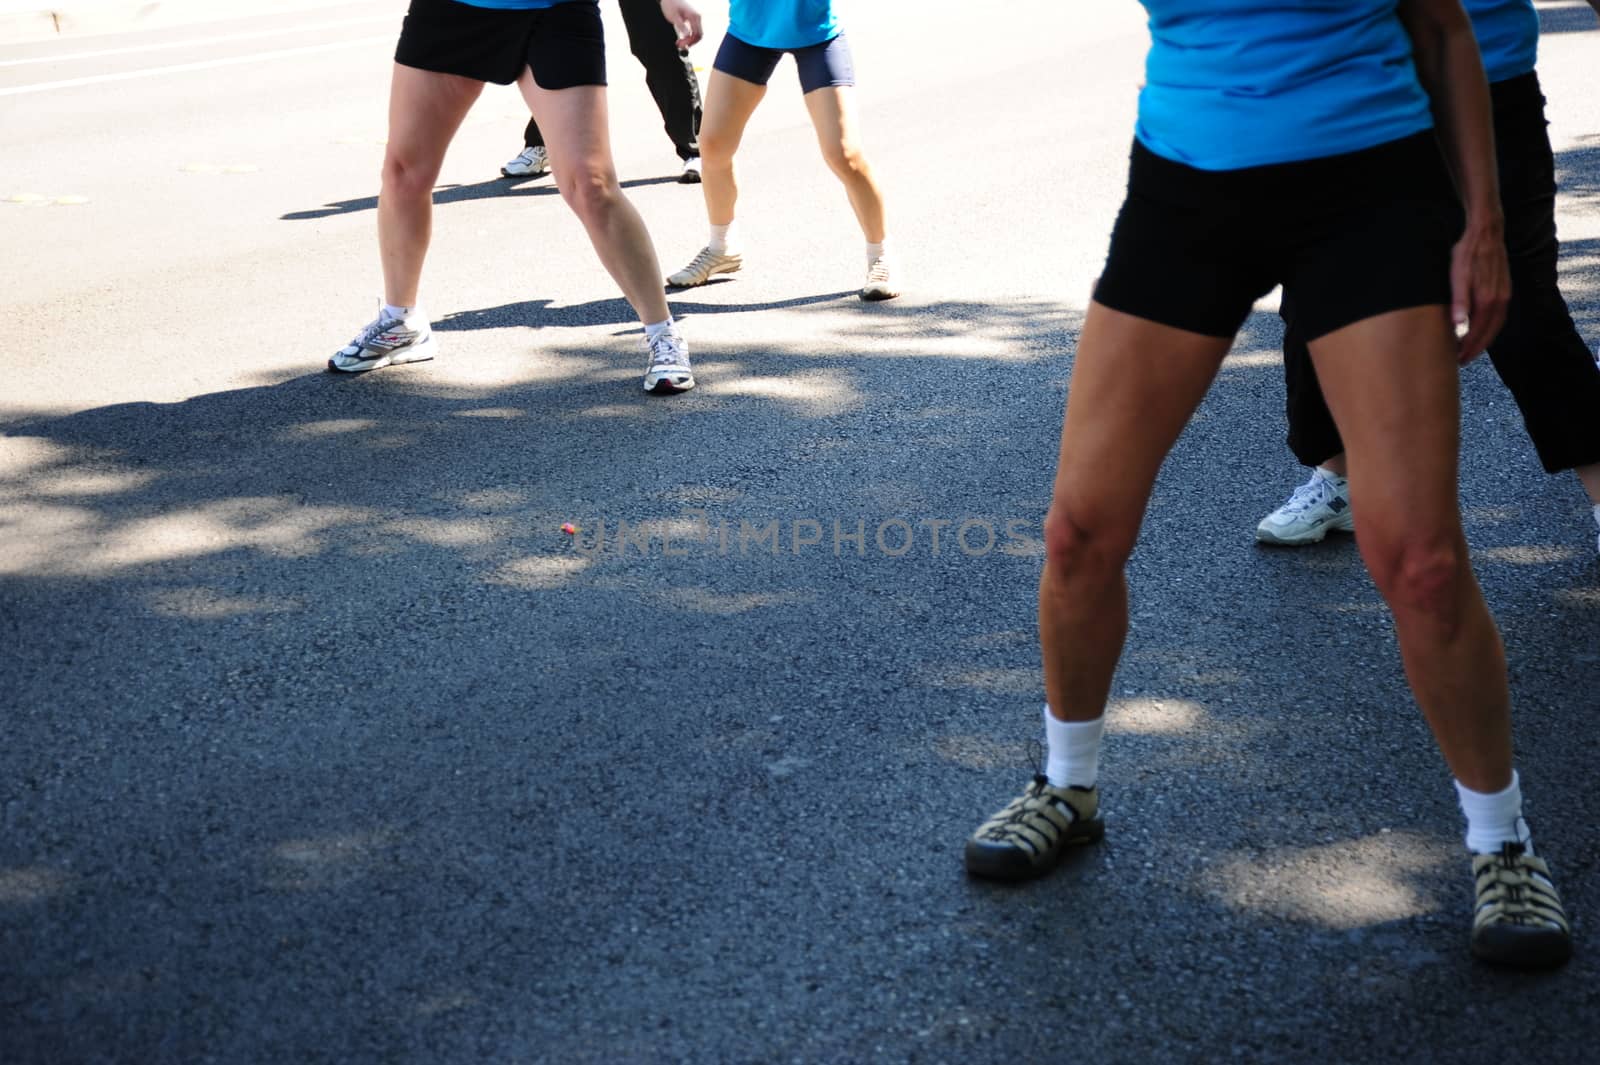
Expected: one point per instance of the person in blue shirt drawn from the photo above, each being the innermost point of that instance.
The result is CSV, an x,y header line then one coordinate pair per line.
x,y
1296,144
554,50
760,34
1539,354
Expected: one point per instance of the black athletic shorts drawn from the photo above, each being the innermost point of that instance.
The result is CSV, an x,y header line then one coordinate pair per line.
x,y
565,45
821,65
1348,236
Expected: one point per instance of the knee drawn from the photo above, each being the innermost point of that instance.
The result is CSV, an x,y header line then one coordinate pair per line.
x,y
1422,576
716,147
406,177
845,160
591,193
1077,544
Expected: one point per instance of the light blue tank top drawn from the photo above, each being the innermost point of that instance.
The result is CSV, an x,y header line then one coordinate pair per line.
x,y
782,23
1231,84
1508,36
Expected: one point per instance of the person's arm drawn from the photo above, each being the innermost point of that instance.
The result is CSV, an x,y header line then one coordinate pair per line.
x,y
1448,64
686,20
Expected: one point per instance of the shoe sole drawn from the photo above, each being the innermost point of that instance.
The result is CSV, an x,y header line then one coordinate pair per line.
x,y
1537,949
1265,536
878,297
664,387
418,353
1011,865
689,179
696,284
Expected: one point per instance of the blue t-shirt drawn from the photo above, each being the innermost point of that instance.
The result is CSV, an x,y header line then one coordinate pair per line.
x,y
1238,83
1508,36
514,5
782,23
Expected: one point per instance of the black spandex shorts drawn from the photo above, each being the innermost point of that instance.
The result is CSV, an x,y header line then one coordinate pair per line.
x,y
1348,236
565,45
821,65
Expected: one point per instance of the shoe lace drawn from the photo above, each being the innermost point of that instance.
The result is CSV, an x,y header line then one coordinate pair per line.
x,y
374,327
703,260
878,271
1517,889
1307,495
665,349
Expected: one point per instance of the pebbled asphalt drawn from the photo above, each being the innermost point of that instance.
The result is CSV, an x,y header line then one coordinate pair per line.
x,y
324,742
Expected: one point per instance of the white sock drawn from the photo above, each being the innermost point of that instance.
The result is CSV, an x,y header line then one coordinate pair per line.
x,y
877,251
1072,758
653,331
398,313
1329,475
724,239
1494,818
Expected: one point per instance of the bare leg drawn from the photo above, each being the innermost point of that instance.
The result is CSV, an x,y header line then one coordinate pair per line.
x,y
834,117
1589,477
1134,386
425,110
575,128
730,102
1392,385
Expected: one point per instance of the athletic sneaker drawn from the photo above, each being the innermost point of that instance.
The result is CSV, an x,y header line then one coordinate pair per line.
x,y
384,342
879,286
668,371
704,266
530,162
1518,919
1318,507
691,171
1030,835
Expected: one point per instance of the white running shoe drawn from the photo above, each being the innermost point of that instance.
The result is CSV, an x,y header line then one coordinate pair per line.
x,y
691,171
530,162
386,342
669,370
1316,508
703,267
879,286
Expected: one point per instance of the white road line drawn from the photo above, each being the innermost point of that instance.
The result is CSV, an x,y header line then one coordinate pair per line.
x,y
210,64
226,39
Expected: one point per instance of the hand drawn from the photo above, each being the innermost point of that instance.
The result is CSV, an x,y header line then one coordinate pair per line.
x,y
1480,287
685,19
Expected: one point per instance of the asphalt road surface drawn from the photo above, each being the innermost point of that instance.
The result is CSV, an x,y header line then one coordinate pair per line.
x,y
322,742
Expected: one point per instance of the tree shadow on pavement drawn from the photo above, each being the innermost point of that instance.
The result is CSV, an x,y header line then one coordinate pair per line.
x,y
1572,17
494,188
325,742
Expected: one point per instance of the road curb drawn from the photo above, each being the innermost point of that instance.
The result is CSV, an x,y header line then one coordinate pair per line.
x,y
29,20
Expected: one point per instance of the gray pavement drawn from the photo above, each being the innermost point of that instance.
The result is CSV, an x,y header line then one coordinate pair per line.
x,y
323,742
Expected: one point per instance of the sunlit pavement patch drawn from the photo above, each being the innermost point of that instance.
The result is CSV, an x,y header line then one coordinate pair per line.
x,y
219,168
34,199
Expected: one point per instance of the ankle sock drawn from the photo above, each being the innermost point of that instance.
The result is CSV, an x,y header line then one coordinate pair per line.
x,y
1329,475
724,239
877,251
397,313
1072,758
1494,818
653,331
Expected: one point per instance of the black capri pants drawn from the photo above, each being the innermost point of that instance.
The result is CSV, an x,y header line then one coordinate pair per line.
x,y
1539,355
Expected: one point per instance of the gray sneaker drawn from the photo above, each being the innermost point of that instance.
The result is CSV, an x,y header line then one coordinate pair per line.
x,y
1316,508
704,266
386,342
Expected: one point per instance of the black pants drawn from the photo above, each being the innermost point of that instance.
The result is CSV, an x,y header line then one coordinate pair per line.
x,y
668,72
1539,355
